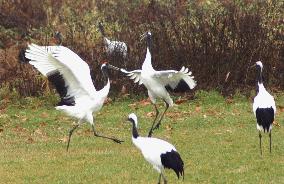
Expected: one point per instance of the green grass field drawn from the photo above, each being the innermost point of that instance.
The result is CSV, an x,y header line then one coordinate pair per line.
x,y
216,137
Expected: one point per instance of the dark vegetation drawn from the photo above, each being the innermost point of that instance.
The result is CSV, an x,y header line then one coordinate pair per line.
x,y
217,40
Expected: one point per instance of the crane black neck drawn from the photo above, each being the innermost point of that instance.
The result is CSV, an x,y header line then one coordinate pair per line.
x,y
259,77
149,42
105,74
101,28
134,129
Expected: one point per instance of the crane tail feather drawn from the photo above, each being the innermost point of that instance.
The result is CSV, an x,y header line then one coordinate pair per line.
x,y
172,160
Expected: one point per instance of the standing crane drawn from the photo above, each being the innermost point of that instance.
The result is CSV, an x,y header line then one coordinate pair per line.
x,y
71,77
111,46
263,107
158,83
157,152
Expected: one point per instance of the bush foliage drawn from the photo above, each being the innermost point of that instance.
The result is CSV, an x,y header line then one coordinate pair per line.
x,y
217,40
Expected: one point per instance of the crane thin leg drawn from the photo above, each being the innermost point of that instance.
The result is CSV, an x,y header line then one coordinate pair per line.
x,y
260,143
162,116
157,113
165,180
270,141
105,137
159,181
70,134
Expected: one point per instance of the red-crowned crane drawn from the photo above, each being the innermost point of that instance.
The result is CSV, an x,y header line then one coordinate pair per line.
x,y
157,152
159,82
263,107
71,77
111,46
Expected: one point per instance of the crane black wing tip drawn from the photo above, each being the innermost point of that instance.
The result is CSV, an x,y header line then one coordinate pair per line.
x,y
265,117
22,56
172,160
68,101
181,87
60,85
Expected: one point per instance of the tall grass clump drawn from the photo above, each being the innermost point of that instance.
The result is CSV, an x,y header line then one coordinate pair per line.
x,y
217,40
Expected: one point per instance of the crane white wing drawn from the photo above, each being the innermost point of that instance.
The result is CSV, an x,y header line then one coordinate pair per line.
x,y
154,144
75,72
134,75
264,100
152,148
176,80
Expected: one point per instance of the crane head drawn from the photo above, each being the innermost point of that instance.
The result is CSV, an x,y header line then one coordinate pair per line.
x,y
104,69
133,119
101,28
104,64
147,35
108,66
259,63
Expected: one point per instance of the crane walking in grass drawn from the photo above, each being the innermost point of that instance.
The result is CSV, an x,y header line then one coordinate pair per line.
x,y
159,83
263,107
71,77
157,152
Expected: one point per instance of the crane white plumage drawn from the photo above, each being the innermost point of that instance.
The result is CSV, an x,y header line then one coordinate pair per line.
x,y
263,107
158,83
71,77
112,46
157,152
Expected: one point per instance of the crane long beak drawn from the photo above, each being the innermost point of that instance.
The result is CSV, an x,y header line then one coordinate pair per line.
x,y
113,67
143,36
253,66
